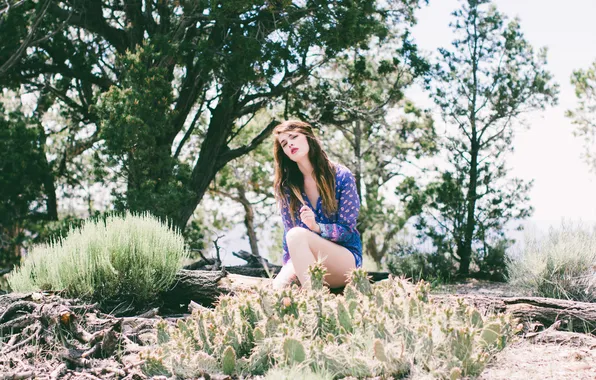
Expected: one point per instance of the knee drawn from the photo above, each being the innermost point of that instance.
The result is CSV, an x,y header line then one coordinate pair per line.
x,y
297,235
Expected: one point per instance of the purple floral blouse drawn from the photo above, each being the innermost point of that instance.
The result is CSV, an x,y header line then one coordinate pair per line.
x,y
341,226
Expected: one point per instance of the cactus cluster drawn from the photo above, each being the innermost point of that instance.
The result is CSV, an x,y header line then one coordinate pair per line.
x,y
388,329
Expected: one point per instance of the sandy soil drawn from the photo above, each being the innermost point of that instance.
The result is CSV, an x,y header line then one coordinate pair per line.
x,y
555,355
480,287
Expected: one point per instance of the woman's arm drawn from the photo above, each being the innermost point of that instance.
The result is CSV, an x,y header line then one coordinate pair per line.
x,y
287,221
348,209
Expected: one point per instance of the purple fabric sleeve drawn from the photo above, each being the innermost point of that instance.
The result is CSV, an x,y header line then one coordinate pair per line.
x,y
348,209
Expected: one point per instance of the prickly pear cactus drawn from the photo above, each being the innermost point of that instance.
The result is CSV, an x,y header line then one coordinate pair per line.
x,y
455,373
475,318
163,335
359,278
228,361
317,273
372,330
343,316
259,335
490,334
293,351
379,350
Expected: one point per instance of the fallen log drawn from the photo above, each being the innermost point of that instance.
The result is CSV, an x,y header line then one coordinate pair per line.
x,y
204,287
256,267
274,269
573,316
201,286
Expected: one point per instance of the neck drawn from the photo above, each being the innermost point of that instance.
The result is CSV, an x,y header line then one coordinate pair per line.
x,y
305,167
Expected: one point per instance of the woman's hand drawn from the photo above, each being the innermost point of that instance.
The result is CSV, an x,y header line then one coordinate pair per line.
x,y
308,217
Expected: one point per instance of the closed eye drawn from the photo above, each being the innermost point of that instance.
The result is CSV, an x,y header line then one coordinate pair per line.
x,y
284,142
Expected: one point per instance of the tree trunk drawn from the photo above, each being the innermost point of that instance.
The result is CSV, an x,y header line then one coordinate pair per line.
x,y
50,190
358,154
212,148
249,221
466,253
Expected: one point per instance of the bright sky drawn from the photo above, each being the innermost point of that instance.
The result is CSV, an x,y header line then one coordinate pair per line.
x,y
547,152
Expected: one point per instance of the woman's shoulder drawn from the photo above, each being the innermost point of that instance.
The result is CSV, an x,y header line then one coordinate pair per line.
x,y
342,171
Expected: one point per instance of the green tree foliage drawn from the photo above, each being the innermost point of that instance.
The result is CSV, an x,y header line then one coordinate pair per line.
x,y
23,174
380,131
23,18
134,77
135,121
482,85
584,116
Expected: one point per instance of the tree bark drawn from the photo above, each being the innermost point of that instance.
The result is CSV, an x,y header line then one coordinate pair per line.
x,y
249,221
203,287
574,316
466,253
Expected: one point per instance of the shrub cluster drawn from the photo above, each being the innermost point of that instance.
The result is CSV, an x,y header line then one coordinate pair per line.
x,y
561,265
130,257
390,328
432,267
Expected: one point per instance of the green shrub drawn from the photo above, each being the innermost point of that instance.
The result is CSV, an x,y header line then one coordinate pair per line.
x,y
390,328
129,257
406,261
561,265
492,260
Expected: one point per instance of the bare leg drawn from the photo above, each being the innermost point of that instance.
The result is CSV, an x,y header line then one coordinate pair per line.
x,y
285,276
306,246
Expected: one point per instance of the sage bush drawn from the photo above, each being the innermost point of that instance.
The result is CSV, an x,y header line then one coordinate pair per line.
x,y
129,257
560,265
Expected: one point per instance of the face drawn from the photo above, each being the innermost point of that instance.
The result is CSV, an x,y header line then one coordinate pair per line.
x,y
294,145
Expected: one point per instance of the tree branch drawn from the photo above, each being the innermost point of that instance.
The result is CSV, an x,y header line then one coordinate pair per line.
x,y
17,55
91,19
229,155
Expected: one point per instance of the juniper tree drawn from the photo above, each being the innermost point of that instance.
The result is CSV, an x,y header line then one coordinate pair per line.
x,y
141,81
482,85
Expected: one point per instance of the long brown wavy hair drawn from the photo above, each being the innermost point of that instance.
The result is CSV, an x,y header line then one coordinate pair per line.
x,y
288,175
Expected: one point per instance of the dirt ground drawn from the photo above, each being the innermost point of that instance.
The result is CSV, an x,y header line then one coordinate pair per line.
x,y
557,356
554,355
541,355
480,287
